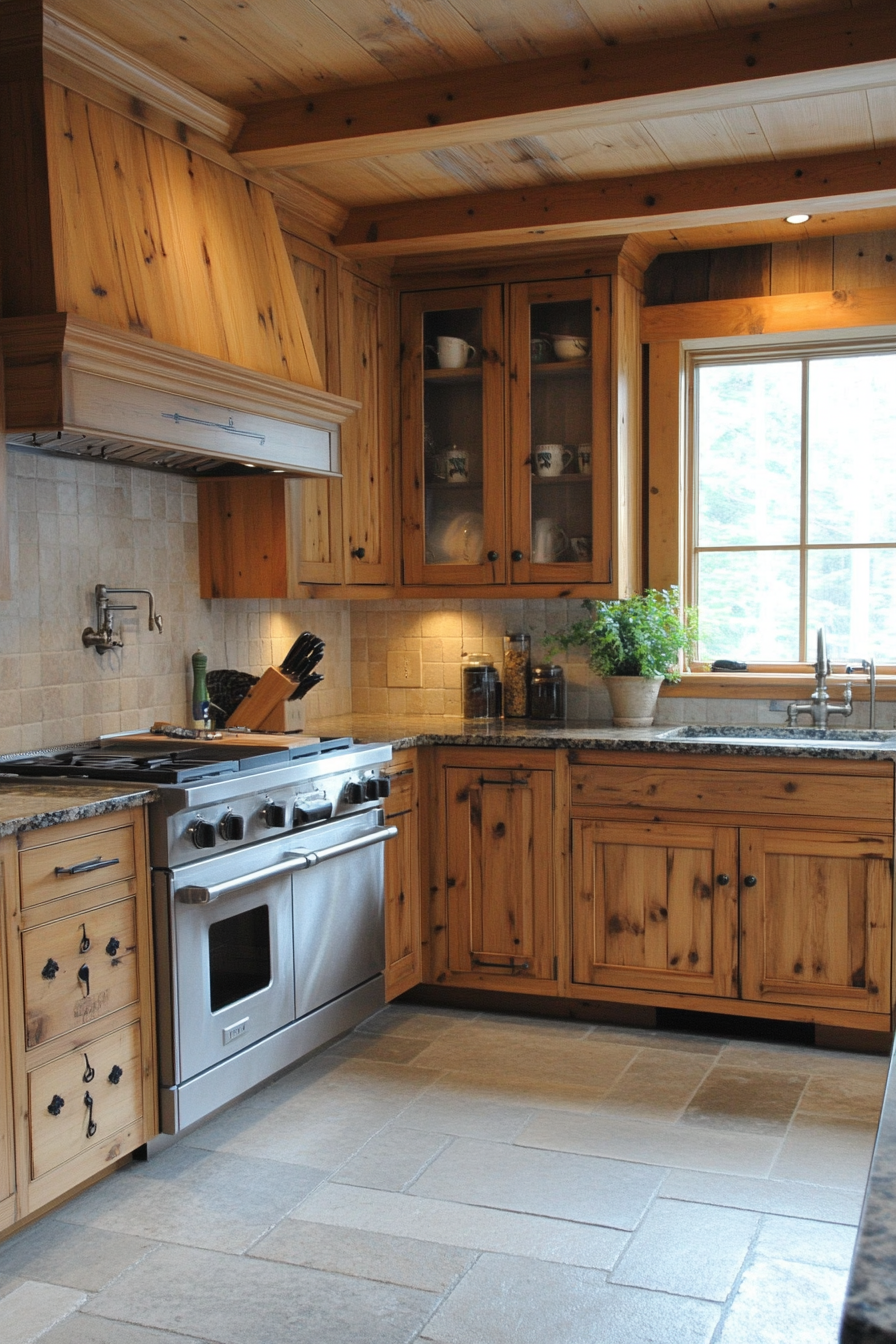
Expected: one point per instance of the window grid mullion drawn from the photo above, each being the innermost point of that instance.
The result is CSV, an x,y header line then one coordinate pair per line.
x,y
804,509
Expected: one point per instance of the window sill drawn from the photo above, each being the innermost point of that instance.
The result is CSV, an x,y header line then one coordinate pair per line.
x,y
771,686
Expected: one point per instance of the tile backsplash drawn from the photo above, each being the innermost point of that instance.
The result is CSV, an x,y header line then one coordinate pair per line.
x,y
74,524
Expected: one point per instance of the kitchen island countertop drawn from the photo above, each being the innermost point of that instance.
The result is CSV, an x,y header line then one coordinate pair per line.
x,y
33,807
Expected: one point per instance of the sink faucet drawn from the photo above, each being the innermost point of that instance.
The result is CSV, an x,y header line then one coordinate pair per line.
x,y
868,665
104,636
819,703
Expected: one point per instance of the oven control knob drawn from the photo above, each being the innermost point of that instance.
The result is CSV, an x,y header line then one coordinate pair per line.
x,y
274,814
354,792
203,835
232,827
378,787
315,809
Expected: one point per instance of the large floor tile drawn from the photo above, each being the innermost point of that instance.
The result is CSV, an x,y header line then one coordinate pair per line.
x,y
365,1255
331,1076
657,1085
848,1097
803,1059
195,1198
76,1257
670,1145
506,1300
81,1329
753,1101
391,1049
450,1107
779,1302
793,1199
239,1300
827,1150
392,1159
555,1185
526,1053
806,1241
415,1020
29,1310
672,1042
480,1229
689,1249
532,1093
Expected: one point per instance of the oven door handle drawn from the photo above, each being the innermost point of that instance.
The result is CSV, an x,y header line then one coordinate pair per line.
x,y
294,863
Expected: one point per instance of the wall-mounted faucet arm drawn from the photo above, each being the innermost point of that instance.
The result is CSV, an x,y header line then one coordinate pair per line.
x,y
104,636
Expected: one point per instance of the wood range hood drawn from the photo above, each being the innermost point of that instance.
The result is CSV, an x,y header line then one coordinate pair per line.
x,y
149,311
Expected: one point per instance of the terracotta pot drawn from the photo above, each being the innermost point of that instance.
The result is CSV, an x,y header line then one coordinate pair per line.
x,y
633,700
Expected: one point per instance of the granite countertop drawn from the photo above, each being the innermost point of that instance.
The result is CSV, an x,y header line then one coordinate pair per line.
x,y
405,731
32,807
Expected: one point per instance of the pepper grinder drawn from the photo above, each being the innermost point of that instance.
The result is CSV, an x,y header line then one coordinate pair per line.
x,y
201,712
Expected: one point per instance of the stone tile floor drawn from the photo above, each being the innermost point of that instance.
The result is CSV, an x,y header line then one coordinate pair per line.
x,y
464,1178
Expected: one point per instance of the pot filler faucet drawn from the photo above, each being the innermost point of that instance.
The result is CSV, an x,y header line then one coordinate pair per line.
x,y
104,636
819,703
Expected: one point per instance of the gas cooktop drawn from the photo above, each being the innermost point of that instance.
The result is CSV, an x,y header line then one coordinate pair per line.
x,y
167,765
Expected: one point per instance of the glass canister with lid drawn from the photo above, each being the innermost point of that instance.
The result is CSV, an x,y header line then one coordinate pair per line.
x,y
478,680
547,692
516,675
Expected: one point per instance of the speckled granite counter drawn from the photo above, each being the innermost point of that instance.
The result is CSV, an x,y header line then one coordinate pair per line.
x,y
404,731
31,807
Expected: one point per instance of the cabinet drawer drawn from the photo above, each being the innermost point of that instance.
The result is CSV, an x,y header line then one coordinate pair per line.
x,y
401,799
773,792
67,984
61,1132
79,863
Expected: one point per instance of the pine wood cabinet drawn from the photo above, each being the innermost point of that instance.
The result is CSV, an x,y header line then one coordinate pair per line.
x,y
493,872
402,862
81,1017
8,885
269,536
520,464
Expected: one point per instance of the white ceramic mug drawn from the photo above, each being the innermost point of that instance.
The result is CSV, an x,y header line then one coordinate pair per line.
x,y
551,459
549,541
457,464
452,352
583,458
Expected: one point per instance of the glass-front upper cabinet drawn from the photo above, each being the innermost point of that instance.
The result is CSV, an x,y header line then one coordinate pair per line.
x,y
560,409
453,437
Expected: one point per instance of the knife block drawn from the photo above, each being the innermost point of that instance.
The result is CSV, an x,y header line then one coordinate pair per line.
x,y
265,706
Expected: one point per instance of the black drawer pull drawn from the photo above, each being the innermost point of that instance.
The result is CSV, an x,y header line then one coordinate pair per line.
x,y
88,867
112,947
84,977
511,965
56,1105
115,1075
91,1123
750,880
49,971
358,552
84,945
723,879
89,1071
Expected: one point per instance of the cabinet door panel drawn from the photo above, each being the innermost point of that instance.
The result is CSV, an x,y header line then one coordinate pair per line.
x,y
366,440
649,910
499,857
815,924
403,927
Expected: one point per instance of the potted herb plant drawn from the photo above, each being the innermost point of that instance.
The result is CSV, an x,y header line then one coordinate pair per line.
x,y
633,644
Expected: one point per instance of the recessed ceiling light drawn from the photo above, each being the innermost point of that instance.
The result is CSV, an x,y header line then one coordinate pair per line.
x,y
797,219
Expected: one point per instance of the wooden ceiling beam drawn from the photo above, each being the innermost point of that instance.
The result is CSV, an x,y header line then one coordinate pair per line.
x,y
698,72
685,198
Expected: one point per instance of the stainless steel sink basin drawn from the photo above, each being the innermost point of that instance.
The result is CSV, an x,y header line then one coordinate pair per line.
x,y
831,737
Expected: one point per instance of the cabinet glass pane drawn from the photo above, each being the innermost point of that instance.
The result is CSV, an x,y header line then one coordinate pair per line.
x,y
453,436
560,353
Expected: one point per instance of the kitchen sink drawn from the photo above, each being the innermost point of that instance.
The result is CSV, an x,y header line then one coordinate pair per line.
x,y
832,737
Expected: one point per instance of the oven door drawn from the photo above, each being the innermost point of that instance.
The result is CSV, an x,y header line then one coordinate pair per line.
x,y
231,964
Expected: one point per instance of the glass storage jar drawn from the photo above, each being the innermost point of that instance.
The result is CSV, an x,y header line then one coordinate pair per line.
x,y
516,676
478,686
547,692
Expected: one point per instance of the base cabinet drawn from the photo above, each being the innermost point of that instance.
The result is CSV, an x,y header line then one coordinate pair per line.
x,y
404,954
8,858
495,864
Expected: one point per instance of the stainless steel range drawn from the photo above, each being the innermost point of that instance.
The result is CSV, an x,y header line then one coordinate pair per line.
x,y
267,898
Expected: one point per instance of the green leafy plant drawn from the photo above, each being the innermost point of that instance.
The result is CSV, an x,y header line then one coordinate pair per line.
x,y
638,636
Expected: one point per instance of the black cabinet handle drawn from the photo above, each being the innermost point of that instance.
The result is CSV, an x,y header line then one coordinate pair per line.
x,y
91,1123
87,867
115,1075
493,555
56,1105
89,1071
723,879
49,971
84,977
516,555
112,947
84,945
750,880
358,552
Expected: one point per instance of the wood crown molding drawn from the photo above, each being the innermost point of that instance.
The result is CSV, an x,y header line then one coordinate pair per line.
x,y
623,205
812,54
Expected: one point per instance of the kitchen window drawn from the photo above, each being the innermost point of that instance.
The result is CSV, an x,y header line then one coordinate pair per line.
x,y
793,502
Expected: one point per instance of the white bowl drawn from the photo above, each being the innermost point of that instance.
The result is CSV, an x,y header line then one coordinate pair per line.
x,y
571,347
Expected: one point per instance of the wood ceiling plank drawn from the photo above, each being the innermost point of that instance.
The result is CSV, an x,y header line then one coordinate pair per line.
x,y
882,109
520,30
371,181
608,150
733,233
805,266
731,136
733,12
413,38
865,260
688,197
794,58
817,125
631,21
173,36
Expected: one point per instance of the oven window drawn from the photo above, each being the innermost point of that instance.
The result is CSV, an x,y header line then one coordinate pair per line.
x,y
239,956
